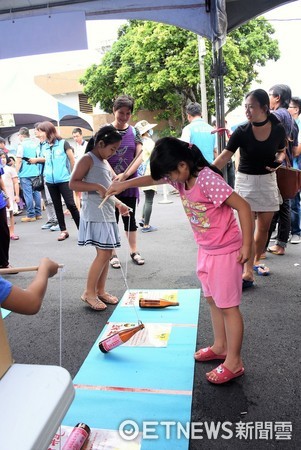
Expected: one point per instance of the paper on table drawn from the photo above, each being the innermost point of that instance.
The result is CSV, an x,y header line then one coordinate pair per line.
x,y
131,298
153,334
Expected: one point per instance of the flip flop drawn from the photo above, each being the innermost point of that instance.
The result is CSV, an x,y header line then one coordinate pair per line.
x,y
262,270
94,303
275,252
206,354
224,375
247,284
108,298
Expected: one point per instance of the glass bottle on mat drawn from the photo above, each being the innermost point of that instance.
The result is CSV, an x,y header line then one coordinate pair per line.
x,y
161,303
119,338
77,437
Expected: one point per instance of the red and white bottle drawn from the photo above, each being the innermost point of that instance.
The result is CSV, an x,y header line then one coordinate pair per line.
x,y
77,437
118,338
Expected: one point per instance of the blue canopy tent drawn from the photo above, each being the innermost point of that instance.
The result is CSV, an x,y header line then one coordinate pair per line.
x,y
208,18
63,24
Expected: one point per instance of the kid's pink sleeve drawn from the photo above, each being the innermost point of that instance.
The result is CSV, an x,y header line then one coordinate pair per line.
x,y
214,187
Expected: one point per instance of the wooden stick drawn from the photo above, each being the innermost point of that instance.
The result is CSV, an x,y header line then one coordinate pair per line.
x,y
23,269
116,200
134,160
104,201
126,170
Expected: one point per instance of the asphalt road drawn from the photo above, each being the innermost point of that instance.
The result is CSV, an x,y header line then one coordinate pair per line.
x,y
266,398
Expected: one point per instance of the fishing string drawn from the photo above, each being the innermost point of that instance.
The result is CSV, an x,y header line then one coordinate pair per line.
x,y
102,204
123,273
60,334
61,317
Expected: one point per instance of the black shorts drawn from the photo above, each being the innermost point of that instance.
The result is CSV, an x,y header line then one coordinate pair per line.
x,y
131,202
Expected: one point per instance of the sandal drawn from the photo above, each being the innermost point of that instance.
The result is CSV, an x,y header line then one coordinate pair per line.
x,y
276,250
94,303
114,262
246,284
64,235
223,375
262,270
108,298
14,237
206,354
137,259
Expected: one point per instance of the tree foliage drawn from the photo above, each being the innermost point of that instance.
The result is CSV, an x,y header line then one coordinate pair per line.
x,y
159,66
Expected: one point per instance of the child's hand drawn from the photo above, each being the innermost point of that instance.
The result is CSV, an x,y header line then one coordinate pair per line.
x,y
51,266
115,188
244,254
120,177
123,209
101,192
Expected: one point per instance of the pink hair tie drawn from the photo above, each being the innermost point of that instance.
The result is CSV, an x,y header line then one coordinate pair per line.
x,y
190,145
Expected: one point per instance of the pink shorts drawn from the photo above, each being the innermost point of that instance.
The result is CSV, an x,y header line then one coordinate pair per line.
x,y
221,278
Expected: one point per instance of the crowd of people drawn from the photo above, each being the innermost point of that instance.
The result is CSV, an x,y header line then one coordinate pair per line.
x,y
100,182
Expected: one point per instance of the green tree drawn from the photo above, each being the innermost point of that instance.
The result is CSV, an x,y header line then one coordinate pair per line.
x,y
158,65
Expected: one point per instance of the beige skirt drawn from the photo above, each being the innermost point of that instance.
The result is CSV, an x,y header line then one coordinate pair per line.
x,y
260,191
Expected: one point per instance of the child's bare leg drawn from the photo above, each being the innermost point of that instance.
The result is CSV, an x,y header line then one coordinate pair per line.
x,y
97,268
100,287
234,332
217,318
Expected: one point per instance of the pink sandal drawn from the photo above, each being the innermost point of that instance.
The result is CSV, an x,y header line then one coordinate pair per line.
x,y
206,354
223,374
14,237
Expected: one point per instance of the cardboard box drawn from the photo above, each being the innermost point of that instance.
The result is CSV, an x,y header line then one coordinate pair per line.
x,y
6,359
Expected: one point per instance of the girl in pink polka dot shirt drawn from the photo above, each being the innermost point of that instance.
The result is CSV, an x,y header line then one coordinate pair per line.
x,y
223,245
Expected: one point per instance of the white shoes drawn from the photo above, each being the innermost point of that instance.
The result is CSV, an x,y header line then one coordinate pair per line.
x,y
295,239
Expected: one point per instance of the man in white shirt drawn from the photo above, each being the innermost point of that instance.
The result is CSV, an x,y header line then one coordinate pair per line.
x,y
80,143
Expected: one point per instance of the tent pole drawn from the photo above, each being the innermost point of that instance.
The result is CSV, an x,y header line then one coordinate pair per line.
x,y
218,72
202,53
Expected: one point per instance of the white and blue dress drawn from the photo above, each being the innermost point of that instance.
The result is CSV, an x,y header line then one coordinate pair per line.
x,y
98,226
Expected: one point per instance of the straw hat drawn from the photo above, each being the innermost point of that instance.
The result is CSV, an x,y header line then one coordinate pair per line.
x,y
143,126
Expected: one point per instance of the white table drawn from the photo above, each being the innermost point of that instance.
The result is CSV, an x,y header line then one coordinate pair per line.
x,y
33,402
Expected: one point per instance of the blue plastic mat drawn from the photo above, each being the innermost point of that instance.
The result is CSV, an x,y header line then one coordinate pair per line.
x,y
143,384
